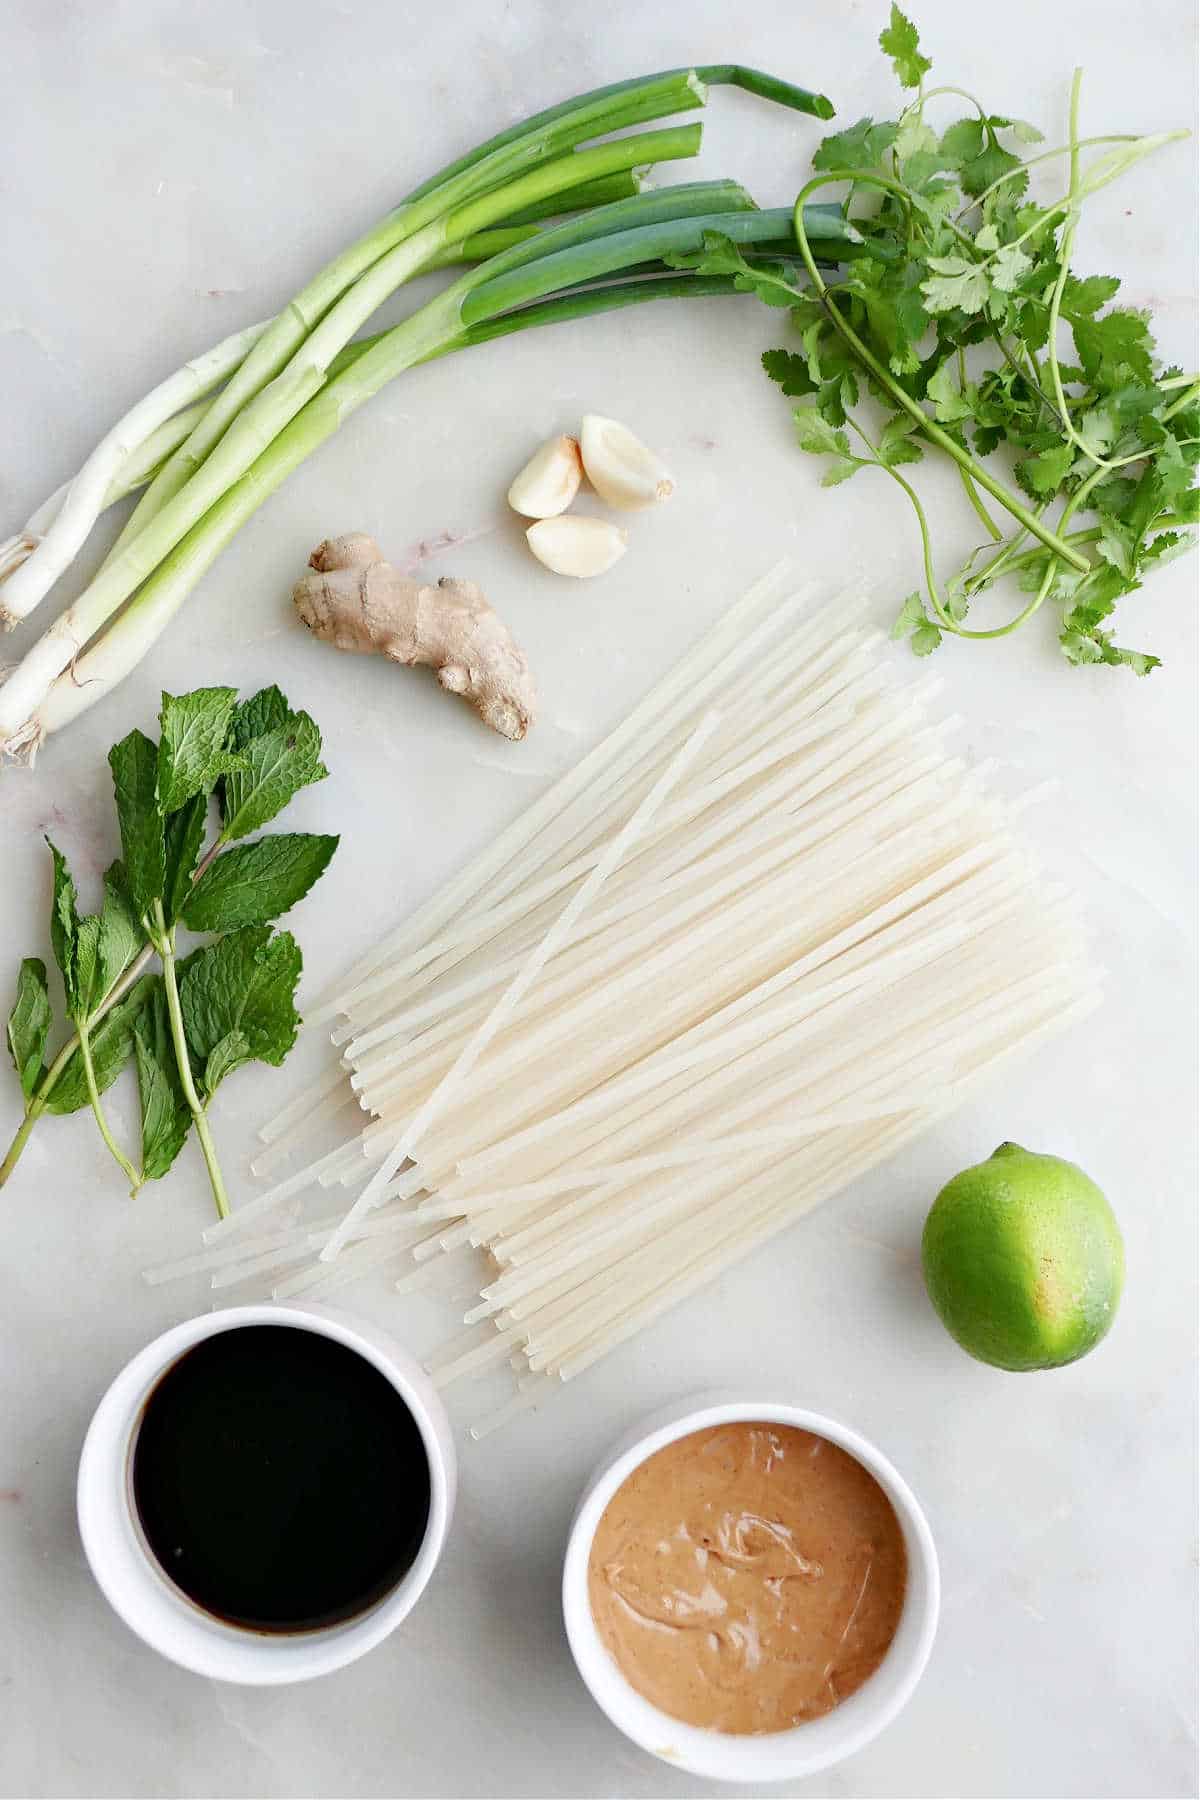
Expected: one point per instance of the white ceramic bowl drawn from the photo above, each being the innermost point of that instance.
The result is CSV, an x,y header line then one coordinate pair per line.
x,y
152,1605
780,1755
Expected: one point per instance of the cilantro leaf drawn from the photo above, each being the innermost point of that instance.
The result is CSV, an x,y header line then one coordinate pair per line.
x,y
29,1024
950,403
192,749
898,39
721,256
820,438
961,142
896,443
1114,347
244,983
1045,473
166,1119
134,765
955,284
790,371
912,622
1008,267
257,882
860,146
1083,297
992,162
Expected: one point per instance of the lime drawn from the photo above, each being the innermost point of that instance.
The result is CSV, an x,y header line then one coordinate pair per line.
x,y
1023,1260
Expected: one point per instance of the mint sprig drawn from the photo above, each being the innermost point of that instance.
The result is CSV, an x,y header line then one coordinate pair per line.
x,y
204,1015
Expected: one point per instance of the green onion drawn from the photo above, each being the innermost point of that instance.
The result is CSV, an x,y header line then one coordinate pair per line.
x,y
304,375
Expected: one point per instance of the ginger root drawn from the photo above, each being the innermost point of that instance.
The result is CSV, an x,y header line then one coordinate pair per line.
x,y
356,601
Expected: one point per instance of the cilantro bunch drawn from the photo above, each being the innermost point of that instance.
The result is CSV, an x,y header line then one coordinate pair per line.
x,y
952,315
229,1002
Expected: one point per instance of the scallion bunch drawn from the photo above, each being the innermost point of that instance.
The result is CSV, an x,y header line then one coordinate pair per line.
x,y
291,382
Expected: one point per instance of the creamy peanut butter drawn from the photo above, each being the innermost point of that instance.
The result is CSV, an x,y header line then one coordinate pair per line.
x,y
748,1578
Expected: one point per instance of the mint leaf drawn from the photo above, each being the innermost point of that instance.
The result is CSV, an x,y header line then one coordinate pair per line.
x,y
134,765
102,944
29,1024
64,926
278,763
244,983
112,1046
263,712
257,882
192,750
165,1115
232,1051
898,39
121,935
183,835
89,968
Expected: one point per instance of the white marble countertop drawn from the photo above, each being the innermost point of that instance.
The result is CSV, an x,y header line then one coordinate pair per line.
x,y
171,172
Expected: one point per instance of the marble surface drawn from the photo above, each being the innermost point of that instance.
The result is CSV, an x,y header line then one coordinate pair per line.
x,y
170,172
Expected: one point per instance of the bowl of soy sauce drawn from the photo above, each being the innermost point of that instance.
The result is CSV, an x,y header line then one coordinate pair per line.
x,y
264,1492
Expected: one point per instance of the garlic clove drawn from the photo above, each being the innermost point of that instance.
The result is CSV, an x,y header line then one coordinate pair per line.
x,y
620,467
576,545
549,481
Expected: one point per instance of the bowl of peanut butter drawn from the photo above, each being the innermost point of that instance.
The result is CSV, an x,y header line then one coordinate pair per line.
x,y
750,1590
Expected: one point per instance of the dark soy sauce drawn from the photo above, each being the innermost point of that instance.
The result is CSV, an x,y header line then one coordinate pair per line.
x,y
280,1479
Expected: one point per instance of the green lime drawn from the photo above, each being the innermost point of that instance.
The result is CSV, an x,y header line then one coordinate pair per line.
x,y
1023,1260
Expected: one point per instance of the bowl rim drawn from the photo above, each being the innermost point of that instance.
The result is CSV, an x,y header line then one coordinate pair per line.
x,y
774,1756
145,1598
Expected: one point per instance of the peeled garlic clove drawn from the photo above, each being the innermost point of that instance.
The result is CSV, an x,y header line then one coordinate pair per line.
x,y
549,481
620,467
576,545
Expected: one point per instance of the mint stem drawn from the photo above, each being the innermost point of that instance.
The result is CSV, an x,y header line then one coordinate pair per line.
x,y
89,1072
165,945
36,1107
117,992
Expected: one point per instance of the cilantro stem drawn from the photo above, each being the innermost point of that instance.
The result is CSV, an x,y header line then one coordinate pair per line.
x,y
1066,245
976,499
990,571
918,105
1122,137
904,400
89,1075
165,945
